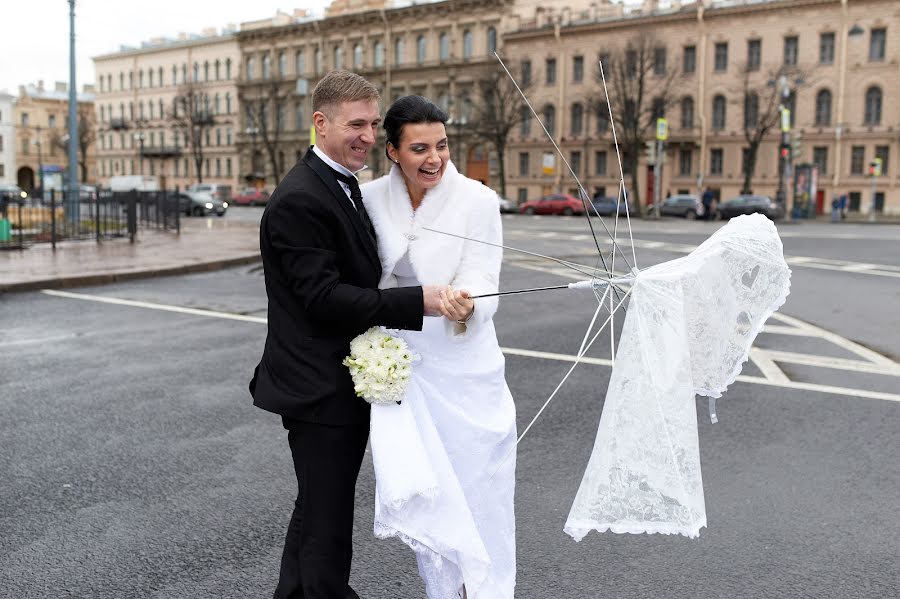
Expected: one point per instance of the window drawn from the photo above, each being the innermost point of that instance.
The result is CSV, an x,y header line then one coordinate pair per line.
x,y
317,60
196,72
823,108
550,118
826,48
399,51
685,158
338,57
602,118
251,68
357,56
873,106
754,54
659,61
687,112
600,163
218,167
228,167
131,80
444,46
421,46
550,67
141,79
578,69
378,54
525,123
227,68
491,40
523,164
883,152
24,119
467,44
715,161
721,57
745,160
228,137
751,110
218,66
876,45
122,79
266,66
205,71
2,170
820,159
282,64
522,194
1,143
526,73
791,44
718,116
857,160
575,162
149,78
228,103
690,59
218,137
658,109
577,119
300,62
631,63
217,105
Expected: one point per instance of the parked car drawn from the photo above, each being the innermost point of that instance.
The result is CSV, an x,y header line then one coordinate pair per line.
x,y
219,192
201,203
507,206
750,204
606,206
136,182
687,206
251,196
553,204
12,193
87,193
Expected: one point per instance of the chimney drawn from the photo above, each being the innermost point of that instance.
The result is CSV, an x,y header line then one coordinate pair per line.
x,y
40,85
60,86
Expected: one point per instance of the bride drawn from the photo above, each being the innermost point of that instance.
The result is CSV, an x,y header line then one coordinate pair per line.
x,y
444,474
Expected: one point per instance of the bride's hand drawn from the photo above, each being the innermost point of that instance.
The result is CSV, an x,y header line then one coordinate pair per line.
x,y
457,305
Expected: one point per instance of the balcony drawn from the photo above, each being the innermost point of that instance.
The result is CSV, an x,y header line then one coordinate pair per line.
x,y
118,124
161,152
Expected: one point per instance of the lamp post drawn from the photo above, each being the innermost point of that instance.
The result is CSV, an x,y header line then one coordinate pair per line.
x,y
38,144
252,132
139,137
73,205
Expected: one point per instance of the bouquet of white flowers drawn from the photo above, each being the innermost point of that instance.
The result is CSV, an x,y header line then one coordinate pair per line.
x,y
380,365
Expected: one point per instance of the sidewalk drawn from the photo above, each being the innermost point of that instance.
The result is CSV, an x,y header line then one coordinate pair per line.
x,y
203,245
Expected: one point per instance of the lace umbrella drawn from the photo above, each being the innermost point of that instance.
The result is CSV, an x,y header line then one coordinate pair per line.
x,y
688,329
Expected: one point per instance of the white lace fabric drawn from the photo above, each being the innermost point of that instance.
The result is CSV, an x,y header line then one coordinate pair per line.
x,y
689,329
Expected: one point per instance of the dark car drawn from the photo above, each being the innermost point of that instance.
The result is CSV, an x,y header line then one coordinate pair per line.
x,y
750,204
201,203
507,206
606,206
251,196
553,204
687,206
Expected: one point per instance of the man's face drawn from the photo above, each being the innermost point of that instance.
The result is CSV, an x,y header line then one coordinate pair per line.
x,y
347,135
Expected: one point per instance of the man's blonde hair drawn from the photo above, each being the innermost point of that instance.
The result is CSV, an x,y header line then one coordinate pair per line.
x,y
338,87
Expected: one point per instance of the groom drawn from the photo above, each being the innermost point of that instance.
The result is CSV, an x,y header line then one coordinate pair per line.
x,y
321,271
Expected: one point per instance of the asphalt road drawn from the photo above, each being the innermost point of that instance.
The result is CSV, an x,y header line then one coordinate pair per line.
x,y
135,466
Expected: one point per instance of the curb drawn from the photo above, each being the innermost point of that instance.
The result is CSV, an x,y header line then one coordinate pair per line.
x,y
114,277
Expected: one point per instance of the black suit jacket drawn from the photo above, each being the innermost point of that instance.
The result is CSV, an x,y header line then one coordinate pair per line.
x,y
321,271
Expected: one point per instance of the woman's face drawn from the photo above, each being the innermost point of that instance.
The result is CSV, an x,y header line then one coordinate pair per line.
x,y
423,153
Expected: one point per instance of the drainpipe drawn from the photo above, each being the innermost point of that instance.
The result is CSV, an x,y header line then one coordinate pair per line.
x,y
701,95
842,83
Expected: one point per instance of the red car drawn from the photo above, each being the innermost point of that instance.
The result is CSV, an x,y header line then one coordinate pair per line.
x,y
251,196
553,204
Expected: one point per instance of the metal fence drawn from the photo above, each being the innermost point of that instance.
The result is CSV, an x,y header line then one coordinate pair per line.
x,y
98,215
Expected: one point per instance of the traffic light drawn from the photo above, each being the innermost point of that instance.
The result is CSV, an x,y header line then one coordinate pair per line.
x,y
785,151
651,152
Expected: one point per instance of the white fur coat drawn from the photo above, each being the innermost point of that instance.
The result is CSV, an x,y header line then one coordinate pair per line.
x,y
457,205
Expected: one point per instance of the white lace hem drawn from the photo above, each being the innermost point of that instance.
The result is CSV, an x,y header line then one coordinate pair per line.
x,y
577,529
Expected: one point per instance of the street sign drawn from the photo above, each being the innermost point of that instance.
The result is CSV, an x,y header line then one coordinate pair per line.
x,y
549,163
785,120
875,167
662,129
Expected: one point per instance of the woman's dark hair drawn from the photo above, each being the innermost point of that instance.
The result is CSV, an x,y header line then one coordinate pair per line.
x,y
410,110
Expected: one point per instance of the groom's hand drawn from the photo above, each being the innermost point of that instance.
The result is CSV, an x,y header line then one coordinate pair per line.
x,y
431,294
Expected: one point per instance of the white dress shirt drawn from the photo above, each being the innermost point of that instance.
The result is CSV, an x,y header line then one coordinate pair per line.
x,y
339,168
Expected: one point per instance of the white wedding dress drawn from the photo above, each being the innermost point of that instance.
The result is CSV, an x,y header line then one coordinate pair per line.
x,y
442,485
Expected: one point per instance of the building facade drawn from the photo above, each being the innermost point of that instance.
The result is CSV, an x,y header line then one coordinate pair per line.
x,y
7,139
41,120
169,109
832,62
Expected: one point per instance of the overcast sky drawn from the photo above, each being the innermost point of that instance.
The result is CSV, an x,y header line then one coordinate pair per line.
x,y
35,40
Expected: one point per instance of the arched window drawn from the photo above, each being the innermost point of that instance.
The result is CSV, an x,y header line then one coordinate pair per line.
x,y
218,71
873,106
228,103
282,64
206,70
399,51
160,76
339,57
196,71
149,78
378,54
266,66
227,68
444,46
467,44
317,60
251,67
718,116
751,110
687,112
357,56
549,118
217,107
491,40
420,49
577,119
174,75
300,63
823,108
141,79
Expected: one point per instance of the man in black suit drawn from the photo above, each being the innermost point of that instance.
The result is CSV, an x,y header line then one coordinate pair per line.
x,y
322,272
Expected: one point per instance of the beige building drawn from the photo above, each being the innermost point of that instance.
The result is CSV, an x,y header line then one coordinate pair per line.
x,y
142,129
841,64
41,121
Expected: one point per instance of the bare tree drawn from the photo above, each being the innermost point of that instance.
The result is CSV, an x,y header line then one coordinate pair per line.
x,y
760,99
191,114
266,112
86,137
642,88
497,112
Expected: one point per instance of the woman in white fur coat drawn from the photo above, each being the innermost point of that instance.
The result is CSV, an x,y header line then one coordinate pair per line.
x,y
443,484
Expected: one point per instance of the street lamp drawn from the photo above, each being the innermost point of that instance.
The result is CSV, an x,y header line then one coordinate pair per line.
x,y
139,137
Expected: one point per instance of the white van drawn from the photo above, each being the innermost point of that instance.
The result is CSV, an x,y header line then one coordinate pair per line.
x,y
134,182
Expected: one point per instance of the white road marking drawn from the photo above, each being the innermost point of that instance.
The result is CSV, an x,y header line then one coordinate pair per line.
x,y
767,366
